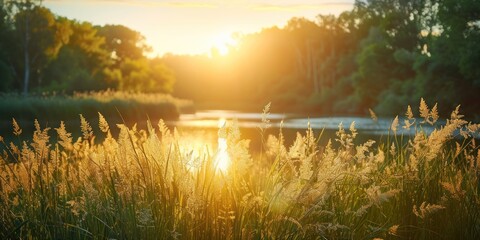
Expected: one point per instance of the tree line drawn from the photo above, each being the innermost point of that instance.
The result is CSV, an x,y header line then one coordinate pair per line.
x,y
42,52
383,54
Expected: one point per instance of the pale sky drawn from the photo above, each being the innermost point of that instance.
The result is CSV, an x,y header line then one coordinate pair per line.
x,y
194,26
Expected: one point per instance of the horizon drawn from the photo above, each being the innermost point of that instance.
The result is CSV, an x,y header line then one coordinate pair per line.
x,y
211,24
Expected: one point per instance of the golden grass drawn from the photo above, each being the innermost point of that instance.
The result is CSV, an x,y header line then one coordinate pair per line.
x,y
155,183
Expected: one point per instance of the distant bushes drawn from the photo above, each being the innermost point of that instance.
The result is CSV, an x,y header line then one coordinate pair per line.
x,y
116,105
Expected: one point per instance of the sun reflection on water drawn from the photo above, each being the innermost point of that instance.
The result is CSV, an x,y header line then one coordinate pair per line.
x,y
222,159
196,148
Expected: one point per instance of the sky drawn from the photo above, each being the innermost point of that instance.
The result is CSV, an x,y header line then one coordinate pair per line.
x,y
194,26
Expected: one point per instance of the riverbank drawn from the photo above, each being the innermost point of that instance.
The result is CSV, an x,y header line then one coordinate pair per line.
x,y
118,106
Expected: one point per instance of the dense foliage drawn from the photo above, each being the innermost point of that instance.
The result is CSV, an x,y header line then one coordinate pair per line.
x,y
43,52
383,54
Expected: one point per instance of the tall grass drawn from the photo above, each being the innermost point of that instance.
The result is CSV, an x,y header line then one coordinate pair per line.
x,y
154,183
131,106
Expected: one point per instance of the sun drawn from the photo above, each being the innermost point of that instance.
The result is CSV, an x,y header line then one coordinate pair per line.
x,y
223,43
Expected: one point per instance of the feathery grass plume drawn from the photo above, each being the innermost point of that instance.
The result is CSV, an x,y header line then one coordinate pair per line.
x,y
86,128
341,134
393,230
433,115
409,113
424,112
473,128
362,149
429,116
265,120
455,187
16,128
344,138
410,120
426,209
65,137
407,124
456,114
310,140
378,197
394,125
363,210
353,130
306,167
438,138
393,149
297,149
379,157
40,140
14,150
276,147
237,149
264,125
164,131
373,116
102,123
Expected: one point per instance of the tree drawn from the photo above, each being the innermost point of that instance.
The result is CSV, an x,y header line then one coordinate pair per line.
x,y
6,68
304,34
123,43
388,31
162,76
129,69
80,63
125,48
455,53
40,38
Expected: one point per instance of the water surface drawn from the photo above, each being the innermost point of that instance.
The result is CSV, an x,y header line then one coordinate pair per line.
x,y
210,119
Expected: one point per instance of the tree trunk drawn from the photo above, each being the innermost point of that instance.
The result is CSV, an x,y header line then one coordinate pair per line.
x,y
316,83
313,67
299,63
26,78
309,60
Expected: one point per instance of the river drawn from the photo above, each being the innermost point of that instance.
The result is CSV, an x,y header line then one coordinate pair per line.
x,y
366,125
290,124
206,123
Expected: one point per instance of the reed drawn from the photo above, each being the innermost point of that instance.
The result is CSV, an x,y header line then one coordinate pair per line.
x,y
159,183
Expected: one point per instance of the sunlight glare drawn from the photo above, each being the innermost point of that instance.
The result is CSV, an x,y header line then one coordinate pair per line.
x,y
222,43
221,122
222,160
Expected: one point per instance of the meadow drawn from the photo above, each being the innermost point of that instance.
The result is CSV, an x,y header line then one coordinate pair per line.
x,y
160,183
